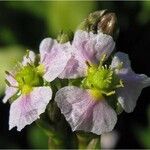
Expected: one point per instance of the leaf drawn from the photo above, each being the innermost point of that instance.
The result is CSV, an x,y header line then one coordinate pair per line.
x,y
9,56
37,138
63,15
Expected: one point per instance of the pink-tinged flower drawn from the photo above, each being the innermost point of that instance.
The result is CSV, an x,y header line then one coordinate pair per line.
x,y
26,87
86,46
93,106
27,93
54,58
133,83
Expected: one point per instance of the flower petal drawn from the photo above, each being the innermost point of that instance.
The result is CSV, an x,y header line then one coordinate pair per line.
x,y
76,66
11,79
54,59
133,83
87,47
121,60
46,46
10,91
104,118
83,112
109,140
27,108
93,46
28,59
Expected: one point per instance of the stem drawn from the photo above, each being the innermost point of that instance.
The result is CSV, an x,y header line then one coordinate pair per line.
x,y
88,141
95,143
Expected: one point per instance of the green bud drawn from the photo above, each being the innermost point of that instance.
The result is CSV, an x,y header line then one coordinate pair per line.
x,y
65,36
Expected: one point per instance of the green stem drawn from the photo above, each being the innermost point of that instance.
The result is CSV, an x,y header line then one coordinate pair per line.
x,y
88,141
95,143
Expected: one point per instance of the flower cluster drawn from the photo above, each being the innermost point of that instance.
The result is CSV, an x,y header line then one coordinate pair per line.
x,y
101,84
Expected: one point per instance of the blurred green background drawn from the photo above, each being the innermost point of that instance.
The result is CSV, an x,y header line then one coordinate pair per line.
x,y
24,24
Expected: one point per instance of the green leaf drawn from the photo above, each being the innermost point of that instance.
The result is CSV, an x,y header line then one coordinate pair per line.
x,y
63,15
9,56
144,136
37,138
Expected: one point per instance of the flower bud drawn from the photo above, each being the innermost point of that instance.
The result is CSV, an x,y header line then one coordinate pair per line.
x,y
90,23
65,36
108,24
101,21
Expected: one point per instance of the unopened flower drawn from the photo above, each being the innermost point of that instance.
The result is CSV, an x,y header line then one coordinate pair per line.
x,y
93,106
86,46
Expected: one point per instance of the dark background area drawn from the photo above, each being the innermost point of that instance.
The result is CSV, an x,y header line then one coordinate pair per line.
x,y
24,24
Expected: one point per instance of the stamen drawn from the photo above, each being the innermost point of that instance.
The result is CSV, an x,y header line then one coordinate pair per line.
x,y
105,66
120,66
102,61
88,63
120,84
108,93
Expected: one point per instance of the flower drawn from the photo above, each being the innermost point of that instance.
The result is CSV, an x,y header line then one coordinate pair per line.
x,y
86,46
54,58
26,86
133,83
93,106
27,93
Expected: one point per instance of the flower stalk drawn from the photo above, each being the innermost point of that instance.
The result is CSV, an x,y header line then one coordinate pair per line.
x,y
88,141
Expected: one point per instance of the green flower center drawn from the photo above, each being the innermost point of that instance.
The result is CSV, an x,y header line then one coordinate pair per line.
x,y
103,79
28,77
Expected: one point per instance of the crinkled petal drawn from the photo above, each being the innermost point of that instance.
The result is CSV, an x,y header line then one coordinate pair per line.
x,y
29,59
104,118
46,46
27,108
55,58
93,46
87,47
133,86
83,112
133,83
76,66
